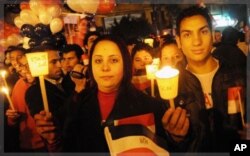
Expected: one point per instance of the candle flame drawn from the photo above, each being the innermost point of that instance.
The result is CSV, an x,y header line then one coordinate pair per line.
x,y
3,73
167,72
5,90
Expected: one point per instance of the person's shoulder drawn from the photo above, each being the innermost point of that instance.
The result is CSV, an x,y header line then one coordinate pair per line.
x,y
33,90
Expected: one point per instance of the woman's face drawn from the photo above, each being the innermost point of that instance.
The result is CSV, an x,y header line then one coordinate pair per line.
x,y
107,66
141,59
83,26
171,55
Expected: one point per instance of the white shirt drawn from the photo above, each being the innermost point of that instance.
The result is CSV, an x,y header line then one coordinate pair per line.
x,y
206,81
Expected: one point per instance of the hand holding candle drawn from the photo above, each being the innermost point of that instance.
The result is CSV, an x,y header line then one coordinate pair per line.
x,y
167,79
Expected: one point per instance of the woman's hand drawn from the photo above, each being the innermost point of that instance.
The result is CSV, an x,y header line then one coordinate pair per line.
x,y
176,123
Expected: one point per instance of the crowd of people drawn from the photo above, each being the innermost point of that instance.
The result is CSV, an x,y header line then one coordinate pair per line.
x,y
84,97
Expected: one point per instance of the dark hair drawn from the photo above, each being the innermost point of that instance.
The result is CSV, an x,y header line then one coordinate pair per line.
x,y
43,48
72,47
192,11
14,48
90,33
241,37
142,46
127,65
168,41
217,31
230,35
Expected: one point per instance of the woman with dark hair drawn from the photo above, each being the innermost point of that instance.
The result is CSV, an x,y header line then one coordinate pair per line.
x,y
112,97
171,55
142,55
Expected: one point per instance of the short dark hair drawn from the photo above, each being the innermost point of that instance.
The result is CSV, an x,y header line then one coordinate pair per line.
x,y
14,48
72,47
142,46
43,48
168,41
230,35
90,33
217,31
241,37
127,63
192,11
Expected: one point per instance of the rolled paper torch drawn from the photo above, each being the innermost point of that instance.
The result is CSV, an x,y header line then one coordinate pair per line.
x,y
38,64
151,69
167,80
5,90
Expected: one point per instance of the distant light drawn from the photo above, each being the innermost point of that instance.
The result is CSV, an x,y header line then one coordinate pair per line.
x,y
223,21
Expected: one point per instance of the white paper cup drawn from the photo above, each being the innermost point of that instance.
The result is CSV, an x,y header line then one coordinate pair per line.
x,y
167,80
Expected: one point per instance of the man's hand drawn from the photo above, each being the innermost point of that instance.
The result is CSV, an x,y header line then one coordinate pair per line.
x,y
13,116
176,123
245,132
79,82
46,127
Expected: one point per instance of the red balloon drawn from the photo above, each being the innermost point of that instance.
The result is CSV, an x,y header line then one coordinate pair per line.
x,y
9,29
49,2
24,5
106,6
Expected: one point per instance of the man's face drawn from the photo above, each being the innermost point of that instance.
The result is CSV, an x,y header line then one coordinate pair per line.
x,y
217,36
14,56
69,60
55,71
195,39
25,71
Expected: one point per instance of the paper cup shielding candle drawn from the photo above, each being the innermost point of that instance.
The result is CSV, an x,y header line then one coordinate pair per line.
x,y
167,80
38,63
151,69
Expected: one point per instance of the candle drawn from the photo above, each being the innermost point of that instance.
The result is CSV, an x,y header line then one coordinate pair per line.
x,y
151,69
156,61
3,74
5,90
38,64
167,80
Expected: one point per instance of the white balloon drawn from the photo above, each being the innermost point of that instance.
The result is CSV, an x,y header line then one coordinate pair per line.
x,y
14,39
54,10
18,22
26,43
90,6
35,6
29,17
56,25
75,5
4,43
45,17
